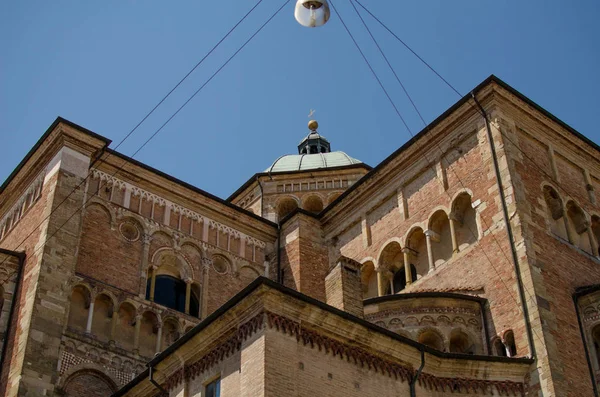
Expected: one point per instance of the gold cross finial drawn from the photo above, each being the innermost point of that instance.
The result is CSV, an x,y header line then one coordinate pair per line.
x,y
312,111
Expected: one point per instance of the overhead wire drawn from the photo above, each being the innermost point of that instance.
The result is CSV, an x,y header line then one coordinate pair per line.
x,y
460,95
410,132
156,132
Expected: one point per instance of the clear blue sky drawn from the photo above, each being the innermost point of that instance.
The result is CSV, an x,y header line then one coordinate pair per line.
x,y
104,64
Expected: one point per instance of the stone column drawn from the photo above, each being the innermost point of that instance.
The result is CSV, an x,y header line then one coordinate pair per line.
x,y
453,220
144,265
188,294
428,235
88,327
159,338
153,268
593,242
136,338
407,272
113,326
380,282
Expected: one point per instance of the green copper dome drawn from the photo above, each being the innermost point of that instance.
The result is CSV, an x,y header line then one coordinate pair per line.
x,y
314,152
305,162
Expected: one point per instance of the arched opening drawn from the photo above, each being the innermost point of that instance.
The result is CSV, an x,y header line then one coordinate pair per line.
x,y
579,226
596,230
439,224
417,243
432,339
313,204
286,206
89,383
195,301
465,218
125,332
461,343
509,341
499,348
399,281
102,317
556,212
148,334
169,288
78,311
392,262
368,277
170,333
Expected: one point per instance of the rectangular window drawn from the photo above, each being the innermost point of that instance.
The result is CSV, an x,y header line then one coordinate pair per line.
x,y
213,389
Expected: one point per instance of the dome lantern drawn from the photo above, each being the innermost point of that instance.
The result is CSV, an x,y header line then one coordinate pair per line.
x,y
314,143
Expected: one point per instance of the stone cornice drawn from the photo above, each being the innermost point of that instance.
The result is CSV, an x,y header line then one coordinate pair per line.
x,y
342,350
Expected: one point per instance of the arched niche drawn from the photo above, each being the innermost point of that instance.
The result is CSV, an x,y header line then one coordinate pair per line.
x,y
78,309
439,224
285,207
89,383
509,341
102,317
460,342
125,329
417,244
499,348
465,218
148,334
391,261
432,338
556,212
247,275
171,332
579,225
313,204
368,277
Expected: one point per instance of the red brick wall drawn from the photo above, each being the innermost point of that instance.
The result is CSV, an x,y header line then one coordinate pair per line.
x,y
105,255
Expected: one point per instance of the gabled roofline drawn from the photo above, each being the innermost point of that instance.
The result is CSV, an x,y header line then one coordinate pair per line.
x,y
491,79
255,177
260,281
40,141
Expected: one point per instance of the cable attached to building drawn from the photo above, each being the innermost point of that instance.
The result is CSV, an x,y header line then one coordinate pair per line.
x,y
509,231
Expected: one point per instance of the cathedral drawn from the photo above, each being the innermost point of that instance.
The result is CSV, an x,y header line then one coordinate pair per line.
x,y
466,263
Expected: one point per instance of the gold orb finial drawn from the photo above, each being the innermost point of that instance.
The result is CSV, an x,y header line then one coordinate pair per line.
x,y
313,125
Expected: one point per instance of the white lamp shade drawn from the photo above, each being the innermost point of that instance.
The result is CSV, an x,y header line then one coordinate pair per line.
x,y
312,13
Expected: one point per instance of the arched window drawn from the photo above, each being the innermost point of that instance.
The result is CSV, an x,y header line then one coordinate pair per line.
x,y
465,221
313,204
417,243
461,343
286,206
499,348
102,317
368,276
432,339
170,291
78,311
509,341
442,238
579,226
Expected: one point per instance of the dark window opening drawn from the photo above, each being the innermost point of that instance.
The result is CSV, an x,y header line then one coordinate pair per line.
x,y
170,292
213,389
400,278
313,150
